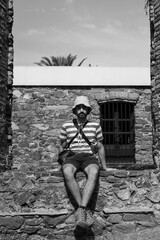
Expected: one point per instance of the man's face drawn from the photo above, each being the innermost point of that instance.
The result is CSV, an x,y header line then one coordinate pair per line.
x,y
81,111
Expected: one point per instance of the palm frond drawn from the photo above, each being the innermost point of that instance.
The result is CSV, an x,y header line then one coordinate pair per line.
x,y
59,61
37,63
70,59
81,62
46,61
62,61
56,61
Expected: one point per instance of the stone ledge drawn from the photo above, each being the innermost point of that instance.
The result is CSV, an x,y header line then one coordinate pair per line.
x,y
128,210
117,96
36,212
46,212
133,171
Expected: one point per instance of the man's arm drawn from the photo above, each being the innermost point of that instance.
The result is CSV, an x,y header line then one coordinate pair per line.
x,y
62,146
102,157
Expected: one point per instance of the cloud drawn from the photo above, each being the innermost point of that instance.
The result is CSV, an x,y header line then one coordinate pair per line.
x,y
33,32
44,10
88,25
75,17
36,10
109,29
82,21
112,26
69,1
144,30
63,9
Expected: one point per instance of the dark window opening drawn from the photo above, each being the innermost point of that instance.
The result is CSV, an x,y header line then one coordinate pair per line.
x,y
117,122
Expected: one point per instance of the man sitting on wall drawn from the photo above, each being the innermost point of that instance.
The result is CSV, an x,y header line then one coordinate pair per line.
x,y
84,138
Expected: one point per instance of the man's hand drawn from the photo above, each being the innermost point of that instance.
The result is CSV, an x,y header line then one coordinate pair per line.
x,y
94,148
105,168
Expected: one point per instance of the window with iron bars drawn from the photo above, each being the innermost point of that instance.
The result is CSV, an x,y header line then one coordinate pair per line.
x,y
117,122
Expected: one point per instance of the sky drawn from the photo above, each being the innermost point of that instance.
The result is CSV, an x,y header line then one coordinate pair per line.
x,y
109,33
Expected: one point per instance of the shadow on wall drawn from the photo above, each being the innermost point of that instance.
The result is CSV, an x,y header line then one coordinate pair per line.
x,y
81,234
6,158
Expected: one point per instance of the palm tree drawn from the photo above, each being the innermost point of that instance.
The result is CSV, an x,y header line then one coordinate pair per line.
x,y
59,61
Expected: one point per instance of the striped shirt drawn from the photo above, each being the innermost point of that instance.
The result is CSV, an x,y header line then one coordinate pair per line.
x,y
92,130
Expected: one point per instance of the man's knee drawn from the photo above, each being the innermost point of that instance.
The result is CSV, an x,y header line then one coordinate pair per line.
x,y
92,171
68,171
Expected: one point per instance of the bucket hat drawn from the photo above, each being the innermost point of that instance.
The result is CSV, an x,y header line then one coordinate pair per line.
x,y
81,100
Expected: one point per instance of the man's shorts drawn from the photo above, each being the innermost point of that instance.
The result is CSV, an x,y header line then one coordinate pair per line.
x,y
81,160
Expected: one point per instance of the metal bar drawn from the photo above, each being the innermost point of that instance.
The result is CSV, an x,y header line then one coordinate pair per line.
x,y
117,122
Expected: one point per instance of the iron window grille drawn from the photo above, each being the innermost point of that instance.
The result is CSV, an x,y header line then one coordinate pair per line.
x,y
117,122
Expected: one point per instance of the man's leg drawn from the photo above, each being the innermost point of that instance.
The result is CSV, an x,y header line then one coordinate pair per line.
x,y
92,171
69,174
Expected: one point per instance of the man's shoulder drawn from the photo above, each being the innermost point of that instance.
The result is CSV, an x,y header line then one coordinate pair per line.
x,y
93,123
68,124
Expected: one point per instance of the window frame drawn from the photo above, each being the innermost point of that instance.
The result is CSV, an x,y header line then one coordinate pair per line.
x,y
119,153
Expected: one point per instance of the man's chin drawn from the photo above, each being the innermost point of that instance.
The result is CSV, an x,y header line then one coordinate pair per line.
x,y
82,115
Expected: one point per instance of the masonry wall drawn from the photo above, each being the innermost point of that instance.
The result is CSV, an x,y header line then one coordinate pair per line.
x,y
38,208
34,203
6,74
38,114
155,73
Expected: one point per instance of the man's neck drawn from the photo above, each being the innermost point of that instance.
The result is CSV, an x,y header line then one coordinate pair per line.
x,y
81,121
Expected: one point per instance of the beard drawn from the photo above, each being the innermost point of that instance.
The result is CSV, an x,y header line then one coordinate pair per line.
x,y
82,115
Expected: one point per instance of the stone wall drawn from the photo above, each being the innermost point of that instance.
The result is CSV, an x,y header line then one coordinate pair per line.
x,y
37,207
6,69
38,114
155,73
125,203
34,202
